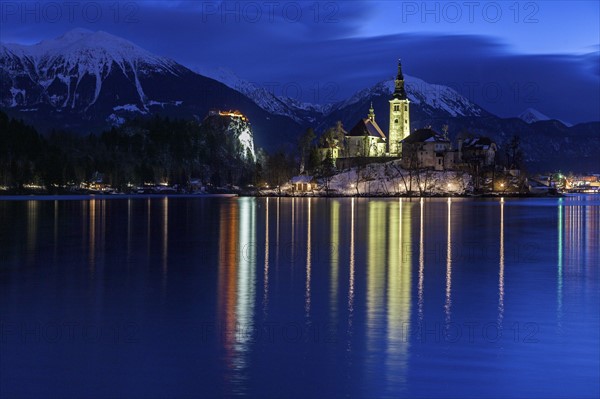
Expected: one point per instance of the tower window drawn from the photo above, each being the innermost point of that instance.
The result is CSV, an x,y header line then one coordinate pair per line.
x,y
396,108
396,121
406,107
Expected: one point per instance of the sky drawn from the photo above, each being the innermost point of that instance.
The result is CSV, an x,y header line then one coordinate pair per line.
x,y
505,56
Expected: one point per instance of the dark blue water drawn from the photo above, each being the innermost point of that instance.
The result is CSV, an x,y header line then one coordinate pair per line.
x,y
189,297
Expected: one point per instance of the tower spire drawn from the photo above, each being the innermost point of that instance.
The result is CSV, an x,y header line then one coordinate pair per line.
x,y
399,91
399,115
400,76
372,113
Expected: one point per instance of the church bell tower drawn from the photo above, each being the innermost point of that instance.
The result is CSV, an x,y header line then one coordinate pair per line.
x,y
399,115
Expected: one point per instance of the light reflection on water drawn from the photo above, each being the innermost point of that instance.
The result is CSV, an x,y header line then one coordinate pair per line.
x,y
268,296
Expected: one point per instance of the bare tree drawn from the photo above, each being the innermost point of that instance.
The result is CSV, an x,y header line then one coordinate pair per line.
x,y
398,170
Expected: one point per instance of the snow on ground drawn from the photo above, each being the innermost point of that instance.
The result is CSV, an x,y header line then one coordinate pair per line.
x,y
389,178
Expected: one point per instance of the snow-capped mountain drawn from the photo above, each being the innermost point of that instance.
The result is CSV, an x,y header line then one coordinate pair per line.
x,y
300,112
432,98
70,71
430,103
531,115
101,78
86,81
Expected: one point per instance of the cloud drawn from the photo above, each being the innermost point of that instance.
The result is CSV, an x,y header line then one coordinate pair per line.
x,y
318,47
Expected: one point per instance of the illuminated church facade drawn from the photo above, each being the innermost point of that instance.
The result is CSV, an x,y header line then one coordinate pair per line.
x,y
366,138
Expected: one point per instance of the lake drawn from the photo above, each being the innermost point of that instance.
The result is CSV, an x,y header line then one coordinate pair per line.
x,y
300,297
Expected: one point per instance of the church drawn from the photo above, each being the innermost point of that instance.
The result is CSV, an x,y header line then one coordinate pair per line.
x,y
366,139
423,149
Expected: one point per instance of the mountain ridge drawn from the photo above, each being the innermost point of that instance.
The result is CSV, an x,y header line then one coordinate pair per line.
x,y
88,81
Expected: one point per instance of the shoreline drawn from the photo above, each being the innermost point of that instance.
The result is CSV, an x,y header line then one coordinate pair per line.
x,y
81,197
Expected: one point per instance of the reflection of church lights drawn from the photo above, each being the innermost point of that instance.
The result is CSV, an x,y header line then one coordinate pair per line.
x,y
351,279
421,264
376,272
501,267
448,304
308,263
266,269
398,298
334,258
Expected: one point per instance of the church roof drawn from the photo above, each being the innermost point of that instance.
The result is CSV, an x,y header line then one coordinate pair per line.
x,y
425,136
371,128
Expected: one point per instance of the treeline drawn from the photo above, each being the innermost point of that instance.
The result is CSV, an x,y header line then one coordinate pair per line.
x,y
141,151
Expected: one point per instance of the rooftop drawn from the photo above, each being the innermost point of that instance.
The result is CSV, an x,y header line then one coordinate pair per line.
x,y
425,136
366,127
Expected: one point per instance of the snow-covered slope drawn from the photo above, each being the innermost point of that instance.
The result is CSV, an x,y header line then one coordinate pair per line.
x,y
70,71
75,69
432,97
266,99
86,81
531,115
